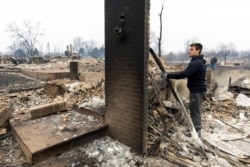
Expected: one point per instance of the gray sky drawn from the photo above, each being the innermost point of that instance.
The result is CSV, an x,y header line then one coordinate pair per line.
x,y
211,22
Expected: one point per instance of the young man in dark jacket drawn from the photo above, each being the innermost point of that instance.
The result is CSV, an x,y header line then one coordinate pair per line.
x,y
196,83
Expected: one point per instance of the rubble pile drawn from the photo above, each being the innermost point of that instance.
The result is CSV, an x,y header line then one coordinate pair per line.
x,y
225,133
80,92
62,63
11,153
104,152
225,130
101,152
23,101
88,64
91,64
76,94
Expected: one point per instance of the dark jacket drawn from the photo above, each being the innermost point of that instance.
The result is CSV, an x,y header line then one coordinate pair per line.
x,y
195,74
213,60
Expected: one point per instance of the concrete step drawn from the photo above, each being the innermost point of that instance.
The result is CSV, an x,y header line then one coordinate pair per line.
x,y
52,135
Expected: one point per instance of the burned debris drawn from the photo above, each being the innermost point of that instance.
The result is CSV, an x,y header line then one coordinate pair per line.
x,y
225,136
242,85
66,108
12,82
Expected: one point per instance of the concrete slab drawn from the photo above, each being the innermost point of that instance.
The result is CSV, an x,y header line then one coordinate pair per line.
x,y
49,136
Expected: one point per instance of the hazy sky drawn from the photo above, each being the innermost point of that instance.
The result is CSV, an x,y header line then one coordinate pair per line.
x,y
211,22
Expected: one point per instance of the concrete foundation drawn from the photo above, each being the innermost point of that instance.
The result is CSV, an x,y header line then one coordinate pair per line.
x,y
48,75
221,77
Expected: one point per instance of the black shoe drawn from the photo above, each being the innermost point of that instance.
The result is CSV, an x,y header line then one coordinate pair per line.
x,y
198,130
199,133
188,133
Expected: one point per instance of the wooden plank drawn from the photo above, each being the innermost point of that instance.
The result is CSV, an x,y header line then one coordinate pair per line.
x,y
244,160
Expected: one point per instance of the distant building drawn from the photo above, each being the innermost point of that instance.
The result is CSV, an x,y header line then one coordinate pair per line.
x,y
6,60
12,60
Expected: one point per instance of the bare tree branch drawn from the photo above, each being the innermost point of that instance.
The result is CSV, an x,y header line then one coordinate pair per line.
x,y
26,35
159,43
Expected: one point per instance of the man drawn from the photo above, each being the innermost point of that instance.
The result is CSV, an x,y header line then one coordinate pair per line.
x,y
196,83
213,63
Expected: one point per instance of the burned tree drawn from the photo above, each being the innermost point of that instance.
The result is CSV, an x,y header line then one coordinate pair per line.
x,y
159,42
27,35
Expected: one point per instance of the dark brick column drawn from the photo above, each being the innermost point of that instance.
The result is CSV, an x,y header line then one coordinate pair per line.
x,y
74,71
126,59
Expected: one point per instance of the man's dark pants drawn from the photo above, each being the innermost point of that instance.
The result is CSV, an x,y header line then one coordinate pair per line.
x,y
195,102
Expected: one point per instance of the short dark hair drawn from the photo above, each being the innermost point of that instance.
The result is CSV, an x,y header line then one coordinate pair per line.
x,y
198,46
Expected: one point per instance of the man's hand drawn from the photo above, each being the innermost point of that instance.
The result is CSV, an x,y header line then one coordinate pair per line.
x,y
164,75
